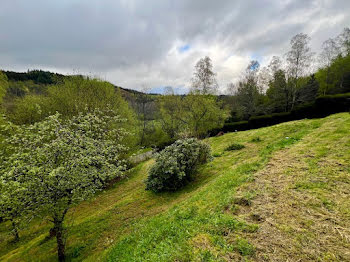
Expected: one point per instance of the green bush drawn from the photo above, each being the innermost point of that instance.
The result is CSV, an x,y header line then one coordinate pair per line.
x,y
322,107
176,163
256,139
234,146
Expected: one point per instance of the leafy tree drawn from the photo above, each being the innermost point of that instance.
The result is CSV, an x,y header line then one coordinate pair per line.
x,y
3,86
62,162
204,81
15,201
201,113
30,109
308,92
191,115
171,114
17,89
144,103
279,92
248,91
71,97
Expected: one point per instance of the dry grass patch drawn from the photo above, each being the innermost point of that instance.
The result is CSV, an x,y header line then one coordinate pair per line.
x,y
302,202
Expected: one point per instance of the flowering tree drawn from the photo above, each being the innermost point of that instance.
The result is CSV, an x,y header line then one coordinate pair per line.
x,y
61,163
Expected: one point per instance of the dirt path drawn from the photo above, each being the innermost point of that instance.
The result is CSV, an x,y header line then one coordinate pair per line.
x,y
302,201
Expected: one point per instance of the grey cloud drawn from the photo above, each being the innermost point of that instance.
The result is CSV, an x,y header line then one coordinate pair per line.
x,y
130,42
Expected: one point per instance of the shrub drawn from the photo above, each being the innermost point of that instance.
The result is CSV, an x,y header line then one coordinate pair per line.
x,y
176,163
217,155
234,146
322,107
256,139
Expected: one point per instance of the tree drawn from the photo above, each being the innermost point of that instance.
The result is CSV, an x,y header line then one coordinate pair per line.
x,y
170,114
248,92
344,41
279,92
204,81
192,115
308,92
3,86
201,113
330,50
298,59
144,103
63,162
15,204
75,95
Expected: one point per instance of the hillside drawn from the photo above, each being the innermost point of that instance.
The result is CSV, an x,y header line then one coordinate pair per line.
x,y
40,77
285,196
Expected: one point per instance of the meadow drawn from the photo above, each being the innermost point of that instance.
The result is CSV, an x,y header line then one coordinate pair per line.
x,y
284,195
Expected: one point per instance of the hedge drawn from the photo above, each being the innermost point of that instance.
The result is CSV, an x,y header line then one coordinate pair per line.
x,y
322,107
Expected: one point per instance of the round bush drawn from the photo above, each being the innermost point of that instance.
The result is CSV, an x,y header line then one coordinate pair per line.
x,y
176,163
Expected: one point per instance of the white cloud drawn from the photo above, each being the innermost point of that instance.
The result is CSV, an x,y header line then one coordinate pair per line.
x,y
134,43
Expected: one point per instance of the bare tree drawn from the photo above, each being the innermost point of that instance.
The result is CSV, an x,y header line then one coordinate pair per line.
x,y
169,90
231,89
204,81
330,50
275,64
264,78
344,41
143,102
299,59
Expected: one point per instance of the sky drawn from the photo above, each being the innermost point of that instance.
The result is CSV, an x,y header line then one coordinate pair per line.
x,y
150,44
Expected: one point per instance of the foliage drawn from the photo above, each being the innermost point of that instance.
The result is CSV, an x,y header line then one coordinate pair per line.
x,y
37,76
3,86
170,114
30,109
71,97
144,106
279,92
132,224
321,107
57,163
176,163
193,114
17,89
155,136
234,146
256,139
335,78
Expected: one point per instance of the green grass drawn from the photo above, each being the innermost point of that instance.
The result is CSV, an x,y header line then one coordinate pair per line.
x,y
197,223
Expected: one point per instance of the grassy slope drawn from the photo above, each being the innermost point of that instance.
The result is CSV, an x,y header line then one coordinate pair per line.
x,y
221,215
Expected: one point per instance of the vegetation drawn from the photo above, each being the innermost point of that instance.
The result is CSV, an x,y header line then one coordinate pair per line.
x,y
175,165
193,115
285,85
205,218
234,146
55,164
64,138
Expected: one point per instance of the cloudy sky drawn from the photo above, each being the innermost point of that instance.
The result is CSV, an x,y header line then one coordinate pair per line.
x,y
156,43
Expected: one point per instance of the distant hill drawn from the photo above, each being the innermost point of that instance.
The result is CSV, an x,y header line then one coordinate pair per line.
x,y
50,78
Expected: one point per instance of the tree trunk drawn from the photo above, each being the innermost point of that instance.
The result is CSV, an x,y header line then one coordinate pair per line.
x,y
60,240
15,231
